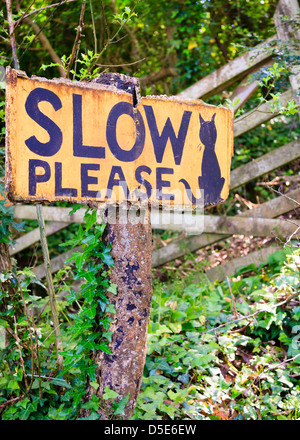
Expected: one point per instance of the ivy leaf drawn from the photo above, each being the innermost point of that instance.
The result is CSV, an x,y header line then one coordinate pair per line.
x,y
3,323
90,219
75,208
109,394
78,257
93,403
120,407
163,329
92,416
107,258
75,241
175,327
61,383
113,289
103,347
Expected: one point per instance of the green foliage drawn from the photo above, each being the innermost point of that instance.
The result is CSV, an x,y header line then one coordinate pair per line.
x,y
268,81
31,386
192,37
7,219
216,352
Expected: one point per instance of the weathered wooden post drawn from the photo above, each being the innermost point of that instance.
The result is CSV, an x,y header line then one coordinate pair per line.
x,y
289,35
131,249
122,370
100,143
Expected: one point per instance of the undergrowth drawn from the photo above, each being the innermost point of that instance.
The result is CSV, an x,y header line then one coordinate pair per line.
x,y
225,350
222,350
31,386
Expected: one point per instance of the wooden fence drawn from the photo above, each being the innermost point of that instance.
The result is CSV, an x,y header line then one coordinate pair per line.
x,y
261,221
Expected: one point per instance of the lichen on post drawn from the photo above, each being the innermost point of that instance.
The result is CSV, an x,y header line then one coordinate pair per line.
x,y
131,249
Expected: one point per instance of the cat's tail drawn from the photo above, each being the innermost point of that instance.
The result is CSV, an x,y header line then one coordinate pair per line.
x,y
192,198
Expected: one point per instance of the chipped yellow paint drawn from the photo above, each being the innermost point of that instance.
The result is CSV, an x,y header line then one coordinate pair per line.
x,y
156,146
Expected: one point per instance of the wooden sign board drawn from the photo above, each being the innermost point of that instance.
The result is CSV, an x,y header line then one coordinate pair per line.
x,y
86,142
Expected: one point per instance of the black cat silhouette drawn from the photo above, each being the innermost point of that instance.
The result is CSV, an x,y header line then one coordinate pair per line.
x,y
210,182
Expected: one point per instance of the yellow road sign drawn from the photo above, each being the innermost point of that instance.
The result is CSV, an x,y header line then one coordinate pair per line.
x,y
83,142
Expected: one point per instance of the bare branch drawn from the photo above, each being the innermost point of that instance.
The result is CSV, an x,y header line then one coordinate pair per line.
x,y
294,233
18,22
136,49
121,65
51,291
44,41
284,195
94,27
157,76
232,298
77,39
27,9
5,39
46,45
20,353
11,34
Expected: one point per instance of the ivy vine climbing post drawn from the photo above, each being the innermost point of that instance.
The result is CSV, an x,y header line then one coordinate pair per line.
x,y
131,249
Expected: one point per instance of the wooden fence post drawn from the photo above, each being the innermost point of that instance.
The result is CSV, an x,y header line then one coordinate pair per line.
x,y
131,248
286,33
